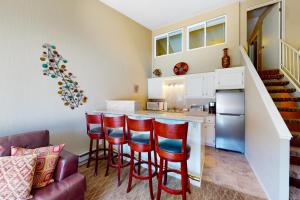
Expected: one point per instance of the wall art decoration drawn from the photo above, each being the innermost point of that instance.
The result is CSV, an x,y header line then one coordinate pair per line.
x,y
54,66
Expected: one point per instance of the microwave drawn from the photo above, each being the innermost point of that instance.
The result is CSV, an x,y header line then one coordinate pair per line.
x,y
155,105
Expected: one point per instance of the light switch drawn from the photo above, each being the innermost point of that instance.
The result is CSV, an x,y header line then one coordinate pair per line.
x,y
136,88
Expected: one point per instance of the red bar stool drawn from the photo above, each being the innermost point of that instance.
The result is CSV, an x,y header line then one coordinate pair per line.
x,y
141,142
115,134
95,133
173,148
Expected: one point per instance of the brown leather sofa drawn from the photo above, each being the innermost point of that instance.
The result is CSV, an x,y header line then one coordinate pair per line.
x,y
68,183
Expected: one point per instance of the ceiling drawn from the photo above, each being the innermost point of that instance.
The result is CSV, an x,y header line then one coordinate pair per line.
x,y
154,14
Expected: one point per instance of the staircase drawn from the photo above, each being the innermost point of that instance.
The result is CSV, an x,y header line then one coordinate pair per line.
x,y
286,102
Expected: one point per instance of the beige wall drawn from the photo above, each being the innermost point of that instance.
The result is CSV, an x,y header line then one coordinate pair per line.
x,y
107,51
292,15
205,59
292,24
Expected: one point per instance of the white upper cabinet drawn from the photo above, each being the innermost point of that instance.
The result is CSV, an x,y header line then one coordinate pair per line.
x,y
194,86
200,85
209,85
155,88
230,78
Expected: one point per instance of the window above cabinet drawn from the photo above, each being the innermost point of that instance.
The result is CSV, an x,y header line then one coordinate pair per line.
x,y
207,33
168,43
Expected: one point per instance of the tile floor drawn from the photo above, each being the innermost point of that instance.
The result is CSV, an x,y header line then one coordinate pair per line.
x,y
231,170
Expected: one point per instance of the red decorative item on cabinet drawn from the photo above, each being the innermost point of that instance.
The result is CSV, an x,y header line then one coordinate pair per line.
x,y
225,59
181,68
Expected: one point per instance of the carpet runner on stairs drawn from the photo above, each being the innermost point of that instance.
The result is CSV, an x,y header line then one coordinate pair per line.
x,y
276,83
273,76
286,103
282,90
289,109
294,193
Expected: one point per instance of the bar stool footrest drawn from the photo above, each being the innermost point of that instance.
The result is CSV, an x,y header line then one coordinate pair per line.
x,y
135,175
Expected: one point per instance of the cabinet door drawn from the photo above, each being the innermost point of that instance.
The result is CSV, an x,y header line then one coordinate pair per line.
x,y
231,78
209,85
210,134
155,88
194,86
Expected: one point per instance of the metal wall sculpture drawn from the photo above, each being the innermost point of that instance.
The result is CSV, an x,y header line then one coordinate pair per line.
x,y
54,66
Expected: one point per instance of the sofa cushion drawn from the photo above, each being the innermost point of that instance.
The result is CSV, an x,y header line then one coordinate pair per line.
x,y
16,176
47,158
29,140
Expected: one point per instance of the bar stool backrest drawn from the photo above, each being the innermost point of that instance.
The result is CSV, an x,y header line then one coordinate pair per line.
x,y
140,125
114,122
94,119
171,131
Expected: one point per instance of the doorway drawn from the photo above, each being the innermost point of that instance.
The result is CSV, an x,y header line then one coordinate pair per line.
x,y
264,31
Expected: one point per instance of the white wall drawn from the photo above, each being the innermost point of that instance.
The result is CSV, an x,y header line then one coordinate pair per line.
x,y
267,139
108,52
204,59
270,39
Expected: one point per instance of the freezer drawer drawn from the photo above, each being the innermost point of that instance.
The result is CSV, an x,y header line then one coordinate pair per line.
x,y
230,132
230,101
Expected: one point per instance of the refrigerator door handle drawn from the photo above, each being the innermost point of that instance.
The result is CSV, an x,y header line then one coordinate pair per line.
x,y
229,114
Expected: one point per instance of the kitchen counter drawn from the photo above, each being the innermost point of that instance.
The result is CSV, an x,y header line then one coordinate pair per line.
x,y
196,136
182,116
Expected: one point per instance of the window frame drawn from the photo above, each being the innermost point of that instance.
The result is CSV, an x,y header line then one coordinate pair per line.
x,y
205,27
168,35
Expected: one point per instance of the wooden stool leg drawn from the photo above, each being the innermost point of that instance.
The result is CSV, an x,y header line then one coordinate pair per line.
x,y
119,165
166,174
90,152
139,164
108,159
97,154
188,180
122,159
183,180
150,175
160,174
155,162
131,170
104,147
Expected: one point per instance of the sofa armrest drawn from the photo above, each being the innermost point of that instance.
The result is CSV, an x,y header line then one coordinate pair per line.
x,y
66,166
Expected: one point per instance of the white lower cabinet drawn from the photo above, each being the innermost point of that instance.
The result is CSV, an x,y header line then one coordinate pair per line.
x,y
209,130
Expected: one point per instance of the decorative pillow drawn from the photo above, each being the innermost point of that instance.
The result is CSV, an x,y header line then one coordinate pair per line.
x,y
47,158
16,176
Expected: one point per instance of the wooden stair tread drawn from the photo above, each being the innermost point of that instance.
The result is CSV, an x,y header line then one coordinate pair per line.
x,y
295,171
289,109
270,77
282,90
282,99
276,83
294,193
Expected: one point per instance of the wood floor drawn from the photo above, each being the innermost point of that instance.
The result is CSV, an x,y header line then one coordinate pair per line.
x,y
100,187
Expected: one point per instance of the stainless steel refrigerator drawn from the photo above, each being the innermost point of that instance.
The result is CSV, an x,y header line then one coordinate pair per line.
x,y
230,120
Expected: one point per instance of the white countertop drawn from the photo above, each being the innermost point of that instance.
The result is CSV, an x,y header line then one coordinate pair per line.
x,y
185,116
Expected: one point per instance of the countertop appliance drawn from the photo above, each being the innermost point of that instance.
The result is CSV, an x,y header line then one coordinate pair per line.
x,y
230,120
212,107
156,104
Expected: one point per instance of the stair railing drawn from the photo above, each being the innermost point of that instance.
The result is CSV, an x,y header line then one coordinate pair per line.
x,y
290,62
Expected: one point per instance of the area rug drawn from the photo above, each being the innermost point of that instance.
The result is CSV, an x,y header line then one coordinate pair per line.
x,y
105,188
